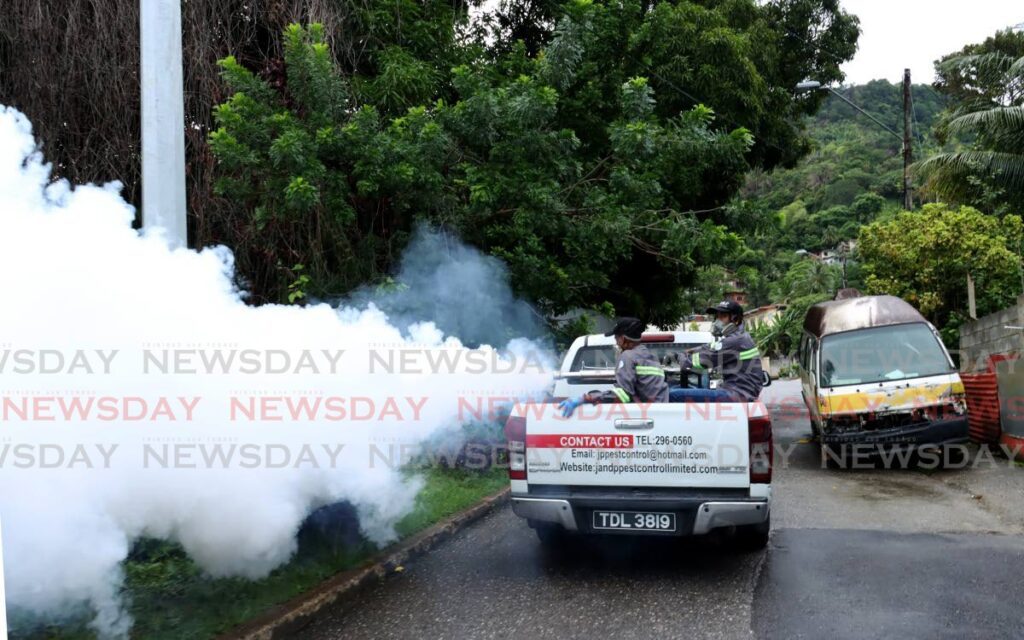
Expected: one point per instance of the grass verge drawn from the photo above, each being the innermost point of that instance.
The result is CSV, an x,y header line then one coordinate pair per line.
x,y
170,598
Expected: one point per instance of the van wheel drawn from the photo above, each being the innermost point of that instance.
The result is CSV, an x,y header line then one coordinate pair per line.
x,y
753,537
550,535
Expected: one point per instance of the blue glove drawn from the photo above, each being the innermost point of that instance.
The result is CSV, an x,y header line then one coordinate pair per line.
x,y
569,405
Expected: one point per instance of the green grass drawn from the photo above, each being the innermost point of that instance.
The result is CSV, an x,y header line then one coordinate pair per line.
x,y
170,598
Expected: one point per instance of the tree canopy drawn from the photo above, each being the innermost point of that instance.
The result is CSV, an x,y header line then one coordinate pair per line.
x,y
594,152
986,119
925,257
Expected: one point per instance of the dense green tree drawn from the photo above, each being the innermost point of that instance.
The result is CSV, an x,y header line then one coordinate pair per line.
x,y
866,206
756,284
842,192
810,276
925,257
738,57
835,216
709,286
851,155
986,82
782,337
523,23
494,165
86,105
852,177
598,169
884,100
976,75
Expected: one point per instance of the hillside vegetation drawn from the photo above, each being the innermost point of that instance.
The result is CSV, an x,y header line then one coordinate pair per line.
x,y
843,201
853,176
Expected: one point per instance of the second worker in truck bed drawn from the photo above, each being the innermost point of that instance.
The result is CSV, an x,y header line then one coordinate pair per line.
x,y
734,354
638,374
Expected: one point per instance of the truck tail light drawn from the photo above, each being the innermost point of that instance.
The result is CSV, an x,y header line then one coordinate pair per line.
x,y
761,450
515,435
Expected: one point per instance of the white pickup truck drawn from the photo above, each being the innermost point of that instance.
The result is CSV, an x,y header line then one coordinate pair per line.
x,y
672,469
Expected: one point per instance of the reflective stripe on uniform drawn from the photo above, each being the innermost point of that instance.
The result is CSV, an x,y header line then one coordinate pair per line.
x,y
749,354
620,394
644,370
695,359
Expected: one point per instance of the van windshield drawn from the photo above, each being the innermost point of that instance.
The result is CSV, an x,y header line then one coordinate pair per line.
x,y
880,354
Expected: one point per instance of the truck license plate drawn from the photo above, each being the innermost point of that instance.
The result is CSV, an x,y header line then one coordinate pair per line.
x,y
634,521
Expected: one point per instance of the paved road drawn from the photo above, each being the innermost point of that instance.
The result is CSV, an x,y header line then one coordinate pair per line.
x,y
854,554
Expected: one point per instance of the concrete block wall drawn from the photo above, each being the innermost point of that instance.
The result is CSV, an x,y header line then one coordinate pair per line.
x,y
774,365
990,335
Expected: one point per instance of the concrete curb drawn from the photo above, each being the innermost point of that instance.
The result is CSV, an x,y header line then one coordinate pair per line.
x,y
289,617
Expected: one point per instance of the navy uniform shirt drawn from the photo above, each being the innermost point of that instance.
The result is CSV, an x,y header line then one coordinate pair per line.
x,y
737,358
638,378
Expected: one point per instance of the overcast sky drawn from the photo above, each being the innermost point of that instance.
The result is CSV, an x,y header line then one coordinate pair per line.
x,y
898,34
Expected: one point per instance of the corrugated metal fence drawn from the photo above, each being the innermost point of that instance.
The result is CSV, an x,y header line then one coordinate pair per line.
x,y
982,406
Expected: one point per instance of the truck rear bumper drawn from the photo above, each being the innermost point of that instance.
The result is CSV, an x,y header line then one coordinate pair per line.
x,y
704,515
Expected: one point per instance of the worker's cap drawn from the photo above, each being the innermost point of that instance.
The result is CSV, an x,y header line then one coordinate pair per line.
x,y
631,328
731,307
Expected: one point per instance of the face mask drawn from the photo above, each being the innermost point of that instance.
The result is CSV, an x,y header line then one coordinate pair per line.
x,y
719,328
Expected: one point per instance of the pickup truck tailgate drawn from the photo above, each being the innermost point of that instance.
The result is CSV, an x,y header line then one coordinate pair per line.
x,y
638,445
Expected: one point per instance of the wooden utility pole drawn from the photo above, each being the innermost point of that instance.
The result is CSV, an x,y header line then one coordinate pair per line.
x,y
908,196
163,120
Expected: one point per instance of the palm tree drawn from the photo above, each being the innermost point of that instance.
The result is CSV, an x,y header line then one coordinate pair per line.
x,y
808,277
829,237
997,127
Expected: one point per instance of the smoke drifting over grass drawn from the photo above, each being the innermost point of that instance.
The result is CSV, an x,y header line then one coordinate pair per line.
x,y
141,397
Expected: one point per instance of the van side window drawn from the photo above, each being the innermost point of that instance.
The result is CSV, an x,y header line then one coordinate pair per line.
x,y
811,362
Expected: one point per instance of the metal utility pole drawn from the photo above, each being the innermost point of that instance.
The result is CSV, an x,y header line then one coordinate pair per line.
x,y
972,309
163,120
908,196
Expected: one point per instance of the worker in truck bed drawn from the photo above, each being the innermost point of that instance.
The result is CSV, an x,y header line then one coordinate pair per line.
x,y
638,374
734,354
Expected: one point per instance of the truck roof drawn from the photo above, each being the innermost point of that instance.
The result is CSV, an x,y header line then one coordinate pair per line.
x,y
685,337
864,312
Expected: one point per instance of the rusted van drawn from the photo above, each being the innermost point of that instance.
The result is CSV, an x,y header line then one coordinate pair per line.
x,y
875,372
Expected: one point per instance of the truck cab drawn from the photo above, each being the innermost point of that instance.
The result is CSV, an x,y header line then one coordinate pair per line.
x,y
589,364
